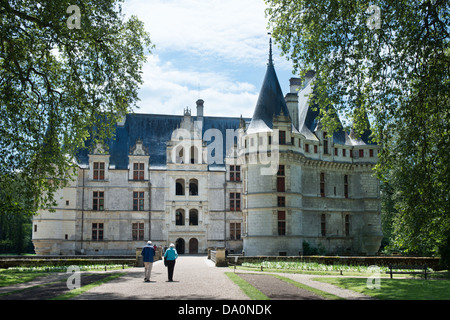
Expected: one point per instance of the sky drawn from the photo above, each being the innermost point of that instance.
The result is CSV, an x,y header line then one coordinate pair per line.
x,y
215,50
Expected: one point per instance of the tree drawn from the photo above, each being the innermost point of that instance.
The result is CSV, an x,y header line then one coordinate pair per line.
x,y
67,73
389,60
15,217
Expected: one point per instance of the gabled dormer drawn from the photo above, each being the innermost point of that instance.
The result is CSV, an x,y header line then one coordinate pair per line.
x,y
186,145
99,164
138,162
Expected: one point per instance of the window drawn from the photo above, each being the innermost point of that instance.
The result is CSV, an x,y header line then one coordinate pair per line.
x,y
281,223
280,179
235,201
137,230
235,173
179,217
306,147
138,171
193,187
193,217
235,231
179,187
325,143
346,186
179,155
335,151
344,152
361,153
281,201
98,201
371,153
347,225
99,171
323,225
194,155
97,231
322,184
315,148
282,137
138,201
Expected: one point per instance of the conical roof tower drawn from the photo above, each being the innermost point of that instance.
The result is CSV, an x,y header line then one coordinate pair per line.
x,y
270,102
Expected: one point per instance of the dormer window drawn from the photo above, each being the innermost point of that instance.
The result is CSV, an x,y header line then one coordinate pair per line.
x,y
138,162
138,171
282,139
325,143
99,171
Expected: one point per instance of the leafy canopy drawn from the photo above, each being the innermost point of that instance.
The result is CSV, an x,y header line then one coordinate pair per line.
x,y
60,85
387,61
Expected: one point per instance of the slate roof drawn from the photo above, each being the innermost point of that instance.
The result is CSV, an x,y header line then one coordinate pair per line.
x,y
309,122
154,130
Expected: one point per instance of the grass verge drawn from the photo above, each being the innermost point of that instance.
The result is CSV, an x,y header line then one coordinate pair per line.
x,y
8,278
248,289
76,292
326,295
396,289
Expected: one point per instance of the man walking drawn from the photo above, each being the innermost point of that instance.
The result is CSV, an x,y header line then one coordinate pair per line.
x,y
148,252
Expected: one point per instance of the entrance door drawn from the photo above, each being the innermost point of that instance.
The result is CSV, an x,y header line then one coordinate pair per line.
x,y
193,246
179,245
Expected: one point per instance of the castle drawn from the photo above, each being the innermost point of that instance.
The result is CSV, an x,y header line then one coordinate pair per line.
x,y
261,186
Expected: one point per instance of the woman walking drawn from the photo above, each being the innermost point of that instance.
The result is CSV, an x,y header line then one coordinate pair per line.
x,y
170,256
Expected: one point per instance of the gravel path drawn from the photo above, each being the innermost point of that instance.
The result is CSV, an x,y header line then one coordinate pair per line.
x,y
195,278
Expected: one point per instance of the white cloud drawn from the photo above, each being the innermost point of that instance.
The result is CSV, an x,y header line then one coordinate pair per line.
x,y
210,49
234,30
168,90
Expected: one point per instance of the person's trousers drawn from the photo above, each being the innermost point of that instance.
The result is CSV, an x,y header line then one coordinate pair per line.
x,y
170,267
148,269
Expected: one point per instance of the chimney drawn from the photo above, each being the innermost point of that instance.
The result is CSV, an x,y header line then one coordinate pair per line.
x,y
308,77
200,108
295,85
292,100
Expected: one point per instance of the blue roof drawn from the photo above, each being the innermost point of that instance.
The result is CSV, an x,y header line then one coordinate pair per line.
x,y
271,102
154,130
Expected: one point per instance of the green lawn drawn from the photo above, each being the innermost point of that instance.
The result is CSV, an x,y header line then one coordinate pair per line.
x,y
76,292
8,278
396,289
249,290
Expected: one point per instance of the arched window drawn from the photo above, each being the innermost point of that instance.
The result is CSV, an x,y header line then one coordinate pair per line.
x,y
193,187
179,157
193,217
179,217
194,155
179,187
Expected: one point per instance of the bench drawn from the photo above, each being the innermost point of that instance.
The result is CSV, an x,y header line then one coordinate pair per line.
x,y
405,269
